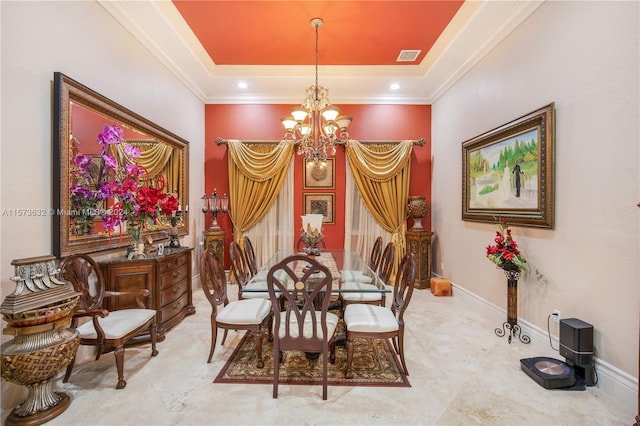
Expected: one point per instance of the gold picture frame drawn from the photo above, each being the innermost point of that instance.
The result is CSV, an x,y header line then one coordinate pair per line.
x,y
508,172
319,174
317,203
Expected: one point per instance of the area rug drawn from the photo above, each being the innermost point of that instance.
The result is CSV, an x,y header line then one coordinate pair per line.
x,y
374,364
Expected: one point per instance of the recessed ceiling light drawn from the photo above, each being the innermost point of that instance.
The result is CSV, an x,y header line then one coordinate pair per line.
x,y
243,85
394,86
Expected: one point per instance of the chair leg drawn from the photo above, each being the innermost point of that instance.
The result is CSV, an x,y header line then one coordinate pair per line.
x,y
348,374
214,336
401,353
277,356
325,369
99,349
394,340
67,375
119,354
332,352
258,340
270,327
154,338
224,336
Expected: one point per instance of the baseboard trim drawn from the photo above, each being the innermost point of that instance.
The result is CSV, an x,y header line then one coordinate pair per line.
x,y
615,382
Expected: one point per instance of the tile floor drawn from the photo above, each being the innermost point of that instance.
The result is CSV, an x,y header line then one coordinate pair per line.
x,y
461,374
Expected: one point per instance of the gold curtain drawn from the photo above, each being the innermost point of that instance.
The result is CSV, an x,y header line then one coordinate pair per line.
x,y
155,157
381,172
256,174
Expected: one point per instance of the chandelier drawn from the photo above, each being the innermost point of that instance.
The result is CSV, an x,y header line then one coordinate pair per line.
x,y
315,126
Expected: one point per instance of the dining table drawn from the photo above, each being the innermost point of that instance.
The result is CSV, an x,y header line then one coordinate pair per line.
x,y
349,271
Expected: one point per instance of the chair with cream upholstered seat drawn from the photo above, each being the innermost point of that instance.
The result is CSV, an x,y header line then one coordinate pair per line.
x,y
242,273
106,329
305,323
364,321
246,314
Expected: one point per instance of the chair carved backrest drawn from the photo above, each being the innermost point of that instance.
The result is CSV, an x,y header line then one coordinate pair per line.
x,y
305,281
86,277
385,269
239,267
376,254
250,255
105,328
403,289
213,279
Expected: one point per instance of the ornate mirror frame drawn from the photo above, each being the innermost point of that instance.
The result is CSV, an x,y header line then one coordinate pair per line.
x,y
67,92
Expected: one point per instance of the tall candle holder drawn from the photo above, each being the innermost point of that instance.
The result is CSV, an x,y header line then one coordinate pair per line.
x,y
214,204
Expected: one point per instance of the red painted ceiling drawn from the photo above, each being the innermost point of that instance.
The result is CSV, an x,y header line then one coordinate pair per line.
x,y
279,32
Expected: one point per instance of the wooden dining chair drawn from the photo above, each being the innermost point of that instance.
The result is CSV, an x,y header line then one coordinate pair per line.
x,y
247,314
239,268
305,323
387,261
105,329
249,255
376,254
378,322
242,272
372,296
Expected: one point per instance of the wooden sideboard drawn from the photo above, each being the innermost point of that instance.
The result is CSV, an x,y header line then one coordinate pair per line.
x,y
168,279
419,243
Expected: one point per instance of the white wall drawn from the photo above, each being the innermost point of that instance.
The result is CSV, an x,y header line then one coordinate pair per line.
x,y
81,40
584,57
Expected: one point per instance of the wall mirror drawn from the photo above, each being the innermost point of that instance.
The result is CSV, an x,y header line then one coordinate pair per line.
x,y
80,114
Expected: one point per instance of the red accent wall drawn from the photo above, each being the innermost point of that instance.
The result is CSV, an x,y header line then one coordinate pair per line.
x,y
262,122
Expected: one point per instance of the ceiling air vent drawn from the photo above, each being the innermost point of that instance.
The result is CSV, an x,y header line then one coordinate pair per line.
x,y
408,55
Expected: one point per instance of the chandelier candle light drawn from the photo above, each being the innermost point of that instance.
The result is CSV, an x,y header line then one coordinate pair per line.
x,y
317,136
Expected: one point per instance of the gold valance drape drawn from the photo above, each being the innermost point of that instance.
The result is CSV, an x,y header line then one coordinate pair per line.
x,y
256,174
156,158
381,173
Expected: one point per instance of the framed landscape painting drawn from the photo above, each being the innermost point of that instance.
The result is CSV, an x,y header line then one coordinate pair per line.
x,y
508,172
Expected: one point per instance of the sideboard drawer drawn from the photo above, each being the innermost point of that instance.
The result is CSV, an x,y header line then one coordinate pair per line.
x,y
174,308
169,278
174,292
175,262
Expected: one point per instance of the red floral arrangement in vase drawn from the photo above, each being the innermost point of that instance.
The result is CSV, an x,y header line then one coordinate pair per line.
x,y
137,198
505,252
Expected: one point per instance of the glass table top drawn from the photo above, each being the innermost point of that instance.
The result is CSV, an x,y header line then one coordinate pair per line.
x,y
350,273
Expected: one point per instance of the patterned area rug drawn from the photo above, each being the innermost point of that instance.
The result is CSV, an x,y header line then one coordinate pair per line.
x,y
374,364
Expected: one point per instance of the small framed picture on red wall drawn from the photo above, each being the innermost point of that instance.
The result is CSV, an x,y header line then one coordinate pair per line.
x,y
319,174
321,203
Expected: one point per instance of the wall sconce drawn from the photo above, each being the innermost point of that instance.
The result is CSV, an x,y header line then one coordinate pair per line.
x,y
214,204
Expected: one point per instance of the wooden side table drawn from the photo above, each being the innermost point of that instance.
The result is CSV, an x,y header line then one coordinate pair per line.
x,y
419,243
